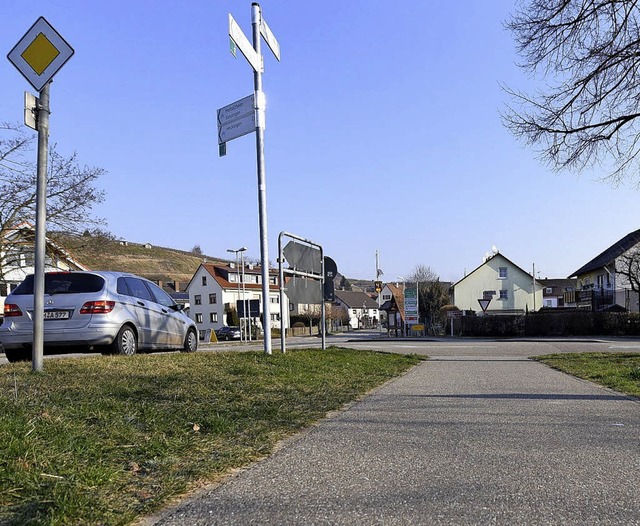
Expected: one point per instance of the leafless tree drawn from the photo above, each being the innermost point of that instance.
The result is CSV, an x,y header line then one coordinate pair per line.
x,y
432,294
313,313
588,52
71,191
628,265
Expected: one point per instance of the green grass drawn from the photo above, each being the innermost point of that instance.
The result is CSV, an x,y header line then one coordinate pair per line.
x,y
618,371
104,440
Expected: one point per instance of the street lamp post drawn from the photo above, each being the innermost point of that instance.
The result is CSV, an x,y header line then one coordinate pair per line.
x,y
244,301
401,278
236,252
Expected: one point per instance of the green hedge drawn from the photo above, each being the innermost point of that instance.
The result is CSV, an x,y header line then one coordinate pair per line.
x,y
553,323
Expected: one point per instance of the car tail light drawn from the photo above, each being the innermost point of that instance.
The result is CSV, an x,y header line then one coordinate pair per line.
x,y
97,307
11,309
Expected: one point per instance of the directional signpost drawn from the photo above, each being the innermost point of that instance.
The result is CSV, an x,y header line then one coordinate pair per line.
x,y
238,119
39,55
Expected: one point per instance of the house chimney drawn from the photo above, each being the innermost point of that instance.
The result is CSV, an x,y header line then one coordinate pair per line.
x,y
176,285
232,265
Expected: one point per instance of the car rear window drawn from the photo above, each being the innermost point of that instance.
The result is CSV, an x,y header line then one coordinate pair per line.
x,y
63,283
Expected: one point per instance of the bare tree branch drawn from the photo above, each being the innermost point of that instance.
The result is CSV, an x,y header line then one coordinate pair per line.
x,y
71,192
589,52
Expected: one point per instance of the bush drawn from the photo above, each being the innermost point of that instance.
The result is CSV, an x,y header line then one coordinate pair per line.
x,y
554,323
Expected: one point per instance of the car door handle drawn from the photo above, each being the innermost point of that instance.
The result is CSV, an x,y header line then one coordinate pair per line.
x,y
140,303
165,310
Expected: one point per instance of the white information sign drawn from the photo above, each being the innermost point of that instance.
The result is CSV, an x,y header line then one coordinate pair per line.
x,y
235,110
244,45
237,128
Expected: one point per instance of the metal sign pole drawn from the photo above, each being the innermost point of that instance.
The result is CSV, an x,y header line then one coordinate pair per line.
x,y
283,335
41,220
262,184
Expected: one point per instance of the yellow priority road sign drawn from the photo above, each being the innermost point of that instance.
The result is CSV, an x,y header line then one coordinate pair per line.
x,y
40,53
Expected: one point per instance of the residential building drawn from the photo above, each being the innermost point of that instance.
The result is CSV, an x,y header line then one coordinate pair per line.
x,y
603,282
391,301
554,291
508,288
362,309
17,252
215,289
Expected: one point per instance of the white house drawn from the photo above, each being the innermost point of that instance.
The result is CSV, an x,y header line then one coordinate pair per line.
x,y
508,288
215,289
17,251
362,309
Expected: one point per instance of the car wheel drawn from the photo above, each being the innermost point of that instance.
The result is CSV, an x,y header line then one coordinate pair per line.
x,y
18,355
190,341
126,342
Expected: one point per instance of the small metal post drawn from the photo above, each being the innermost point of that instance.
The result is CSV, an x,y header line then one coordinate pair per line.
x,y
41,230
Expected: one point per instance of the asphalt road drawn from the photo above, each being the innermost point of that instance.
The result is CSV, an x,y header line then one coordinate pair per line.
x,y
479,434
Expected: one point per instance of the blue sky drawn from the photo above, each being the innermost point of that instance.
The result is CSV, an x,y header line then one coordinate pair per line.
x,y
383,133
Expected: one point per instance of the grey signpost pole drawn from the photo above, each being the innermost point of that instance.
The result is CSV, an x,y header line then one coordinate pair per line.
x,y
38,55
234,121
262,184
41,220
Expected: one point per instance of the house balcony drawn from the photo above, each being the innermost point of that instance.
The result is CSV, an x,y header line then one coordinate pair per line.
x,y
593,299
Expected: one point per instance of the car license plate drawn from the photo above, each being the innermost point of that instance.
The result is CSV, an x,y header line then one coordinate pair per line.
x,y
56,315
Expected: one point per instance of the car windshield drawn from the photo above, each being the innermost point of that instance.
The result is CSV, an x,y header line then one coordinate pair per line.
x,y
63,283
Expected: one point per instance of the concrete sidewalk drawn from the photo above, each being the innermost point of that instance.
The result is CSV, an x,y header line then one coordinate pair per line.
x,y
457,440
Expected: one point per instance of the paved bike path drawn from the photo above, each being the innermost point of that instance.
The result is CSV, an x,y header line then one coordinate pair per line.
x,y
457,440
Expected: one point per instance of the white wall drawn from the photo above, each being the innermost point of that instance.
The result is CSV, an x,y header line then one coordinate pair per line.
x,y
517,284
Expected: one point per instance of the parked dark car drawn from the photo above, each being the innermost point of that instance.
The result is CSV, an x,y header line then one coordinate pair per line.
x,y
112,312
228,333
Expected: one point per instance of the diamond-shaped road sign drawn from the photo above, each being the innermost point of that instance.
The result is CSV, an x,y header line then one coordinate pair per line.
x,y
40,53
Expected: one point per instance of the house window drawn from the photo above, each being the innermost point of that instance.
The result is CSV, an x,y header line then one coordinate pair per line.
x,y
504,295
197,299
213,298
233,278
275,299
355,311
488,294
549,290
273,281
291,306
204,281
213,317
548,303
502,272
198,317
3,289
386,297
275,317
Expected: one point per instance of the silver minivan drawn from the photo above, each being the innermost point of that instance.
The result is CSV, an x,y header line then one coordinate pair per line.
x,y
112,312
